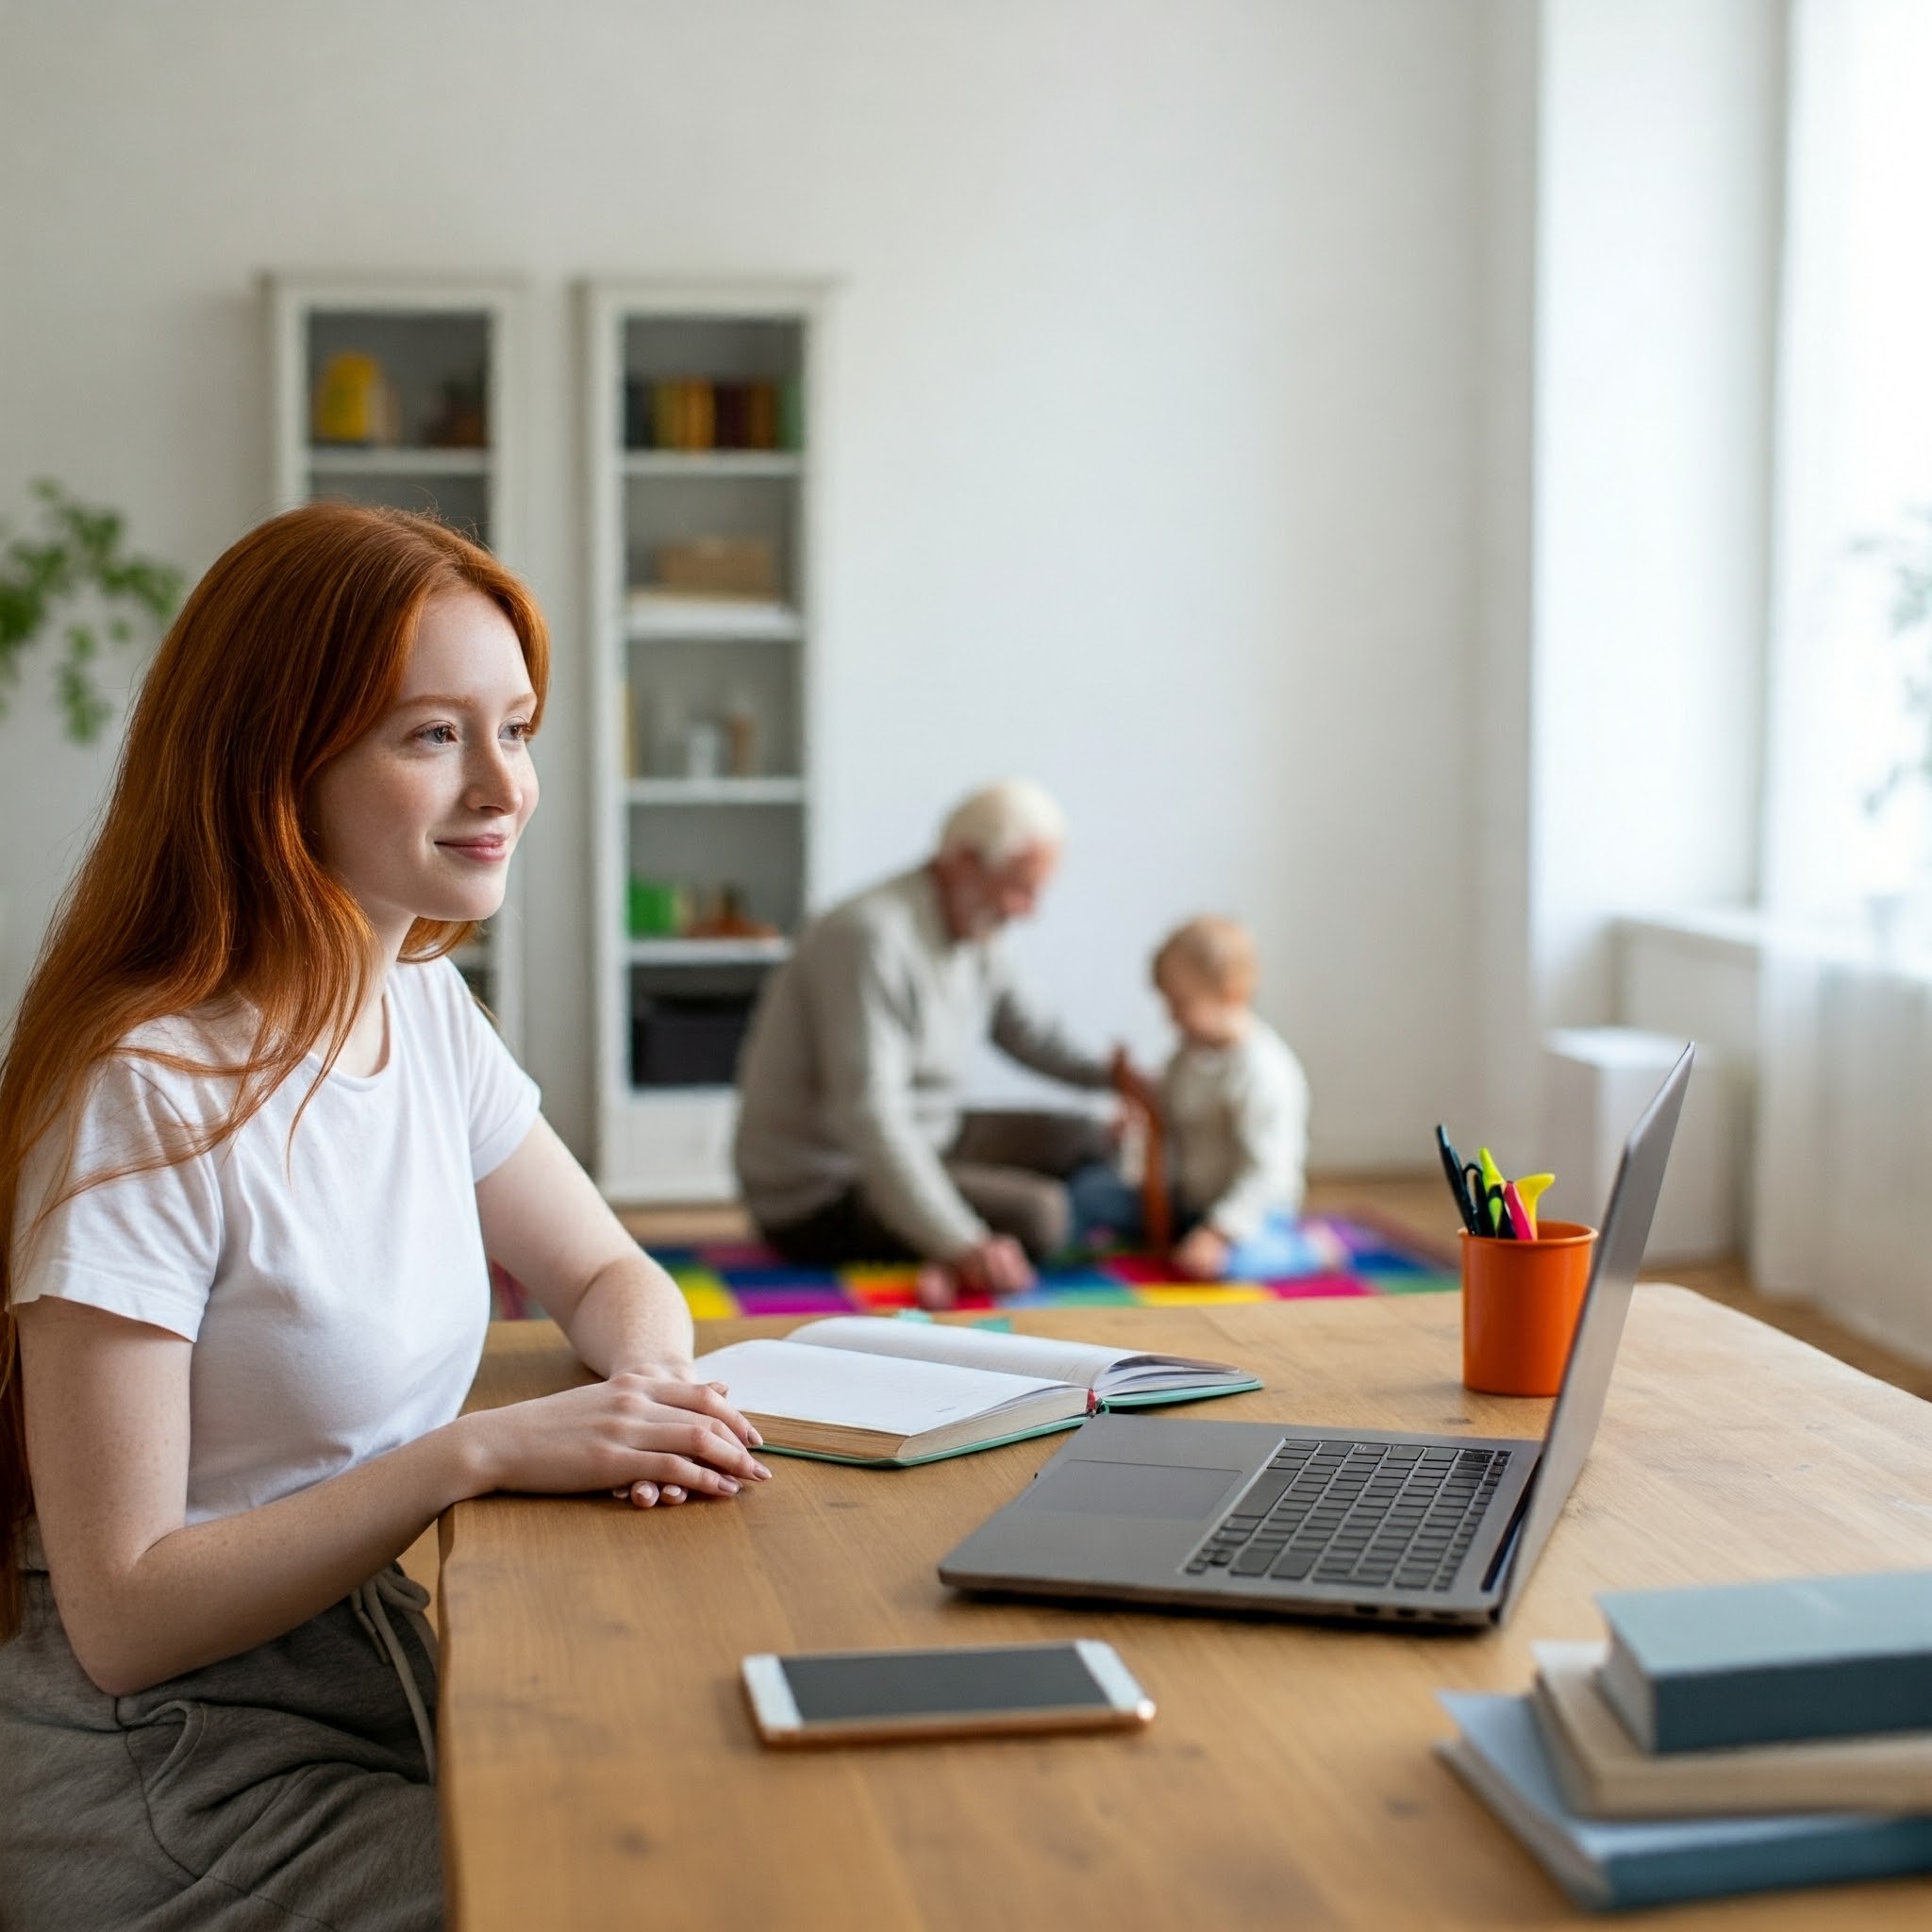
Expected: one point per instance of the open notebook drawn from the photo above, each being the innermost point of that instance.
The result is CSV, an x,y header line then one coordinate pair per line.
x,y
871,1389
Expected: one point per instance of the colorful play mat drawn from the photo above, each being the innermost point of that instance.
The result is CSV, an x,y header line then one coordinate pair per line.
x,y
1338,1257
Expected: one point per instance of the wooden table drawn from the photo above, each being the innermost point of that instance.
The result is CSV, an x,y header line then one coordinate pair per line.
x,y
599,1770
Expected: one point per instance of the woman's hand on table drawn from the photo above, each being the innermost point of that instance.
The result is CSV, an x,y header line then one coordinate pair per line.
x,y
647,1495
652,1435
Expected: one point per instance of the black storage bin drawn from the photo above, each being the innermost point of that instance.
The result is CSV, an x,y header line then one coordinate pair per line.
x,y
688,1039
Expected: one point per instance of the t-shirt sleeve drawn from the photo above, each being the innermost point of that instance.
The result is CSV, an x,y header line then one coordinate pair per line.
x,y
504,1100
144,1245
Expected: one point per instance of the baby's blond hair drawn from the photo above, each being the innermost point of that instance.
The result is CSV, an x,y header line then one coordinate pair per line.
x,y
1219,952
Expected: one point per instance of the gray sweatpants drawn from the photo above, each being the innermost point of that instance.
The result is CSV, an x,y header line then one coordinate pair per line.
x,y
1010,1166
285,1788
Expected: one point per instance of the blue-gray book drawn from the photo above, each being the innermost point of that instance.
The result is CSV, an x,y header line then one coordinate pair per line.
x,y
1609,1864
1765,1663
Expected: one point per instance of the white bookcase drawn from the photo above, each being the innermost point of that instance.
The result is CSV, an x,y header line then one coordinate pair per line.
x,y
699,437
448,360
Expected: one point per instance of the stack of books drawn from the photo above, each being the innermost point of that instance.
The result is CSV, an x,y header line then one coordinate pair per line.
x,y
1733,1739
698,413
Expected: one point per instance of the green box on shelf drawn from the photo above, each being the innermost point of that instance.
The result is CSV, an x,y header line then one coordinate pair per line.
x,y
655,909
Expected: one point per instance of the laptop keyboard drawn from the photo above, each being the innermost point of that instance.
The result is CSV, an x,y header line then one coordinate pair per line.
x,y
1381,1514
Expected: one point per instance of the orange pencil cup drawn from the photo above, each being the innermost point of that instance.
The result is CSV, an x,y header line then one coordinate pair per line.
x,y
1519,1305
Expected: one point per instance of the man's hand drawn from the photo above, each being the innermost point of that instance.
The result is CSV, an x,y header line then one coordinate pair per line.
x,y
998,1264
1130,1083
1202,1256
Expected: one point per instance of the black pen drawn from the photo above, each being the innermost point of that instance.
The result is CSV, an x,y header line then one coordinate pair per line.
x,y
1452,1166
1504,1230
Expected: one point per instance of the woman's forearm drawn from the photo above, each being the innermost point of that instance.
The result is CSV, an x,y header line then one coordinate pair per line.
x,y
142,1605
212,1590
632,1316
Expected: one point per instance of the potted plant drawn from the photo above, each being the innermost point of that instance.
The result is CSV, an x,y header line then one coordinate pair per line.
x,y
72,574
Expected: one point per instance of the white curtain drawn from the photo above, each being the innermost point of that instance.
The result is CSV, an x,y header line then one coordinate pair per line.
x,y
1843,1206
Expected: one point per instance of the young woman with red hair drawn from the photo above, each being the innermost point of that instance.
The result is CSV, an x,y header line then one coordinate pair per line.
x,y
257,1146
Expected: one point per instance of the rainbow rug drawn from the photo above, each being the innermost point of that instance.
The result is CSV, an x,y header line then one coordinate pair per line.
x,y
1341,1256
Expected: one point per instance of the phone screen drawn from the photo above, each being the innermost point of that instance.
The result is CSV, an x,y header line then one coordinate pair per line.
x,y
938,1683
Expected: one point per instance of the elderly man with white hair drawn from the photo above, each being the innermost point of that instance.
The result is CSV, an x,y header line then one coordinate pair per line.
x,y
854,1141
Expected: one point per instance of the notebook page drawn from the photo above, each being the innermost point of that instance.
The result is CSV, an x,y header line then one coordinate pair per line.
x,y
1082,1363
902,1397
1110,1372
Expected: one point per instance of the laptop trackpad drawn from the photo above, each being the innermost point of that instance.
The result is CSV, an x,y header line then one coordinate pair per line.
x,y
1088,1487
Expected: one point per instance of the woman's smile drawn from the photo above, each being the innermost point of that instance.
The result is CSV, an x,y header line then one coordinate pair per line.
x,y
484,848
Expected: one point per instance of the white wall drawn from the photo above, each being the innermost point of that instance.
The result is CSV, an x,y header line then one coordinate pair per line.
x,y
1503,1008
1154,423
1657,253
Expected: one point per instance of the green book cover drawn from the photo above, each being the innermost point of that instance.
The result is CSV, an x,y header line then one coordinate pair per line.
x,y
1751,1663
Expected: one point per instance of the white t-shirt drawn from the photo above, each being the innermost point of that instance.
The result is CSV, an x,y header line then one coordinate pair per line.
x,y
335,1287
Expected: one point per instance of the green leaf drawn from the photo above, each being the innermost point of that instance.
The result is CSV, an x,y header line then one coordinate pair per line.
x,y
87,709
76,555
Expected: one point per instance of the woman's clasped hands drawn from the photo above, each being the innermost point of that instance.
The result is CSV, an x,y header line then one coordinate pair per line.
x,y
650,1435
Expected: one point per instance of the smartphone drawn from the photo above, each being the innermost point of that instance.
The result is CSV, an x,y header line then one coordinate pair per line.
x,y
864,1697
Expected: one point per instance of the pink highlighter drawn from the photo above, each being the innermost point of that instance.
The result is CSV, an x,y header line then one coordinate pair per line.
x,y
1519,1215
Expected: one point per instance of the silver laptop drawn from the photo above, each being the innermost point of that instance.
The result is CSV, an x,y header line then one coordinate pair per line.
x,y
1353,1524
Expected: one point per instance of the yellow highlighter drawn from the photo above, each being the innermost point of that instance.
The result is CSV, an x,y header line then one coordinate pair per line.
x,y
1529,1191
1491,1207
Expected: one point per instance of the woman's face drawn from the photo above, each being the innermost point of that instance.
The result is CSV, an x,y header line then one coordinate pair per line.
x,y
419,817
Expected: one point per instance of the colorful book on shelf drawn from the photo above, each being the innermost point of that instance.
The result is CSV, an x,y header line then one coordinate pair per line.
x,y
792,413
761,415
1605,1772
1615,1863
1755,1663
683,415
694,413
700,414
873,1390
664,417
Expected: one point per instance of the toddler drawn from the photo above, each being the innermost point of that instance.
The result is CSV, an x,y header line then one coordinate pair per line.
x,y
1236,1106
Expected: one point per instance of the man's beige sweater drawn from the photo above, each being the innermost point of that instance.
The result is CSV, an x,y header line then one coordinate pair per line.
x,y
855,1069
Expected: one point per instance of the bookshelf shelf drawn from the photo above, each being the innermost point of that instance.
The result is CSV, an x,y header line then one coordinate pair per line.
x,y
692,617
436,348
698,464
325,459
707,952
701,592
680,1106
715,792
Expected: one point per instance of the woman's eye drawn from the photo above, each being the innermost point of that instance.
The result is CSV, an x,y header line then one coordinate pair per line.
x,y
520,730
438,734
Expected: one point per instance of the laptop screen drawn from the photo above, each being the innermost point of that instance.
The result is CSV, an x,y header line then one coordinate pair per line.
x,y
1600,1328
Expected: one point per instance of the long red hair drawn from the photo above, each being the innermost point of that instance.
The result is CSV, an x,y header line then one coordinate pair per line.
x,y
203,882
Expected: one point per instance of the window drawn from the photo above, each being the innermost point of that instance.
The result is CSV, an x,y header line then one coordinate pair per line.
x,y
1854,465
